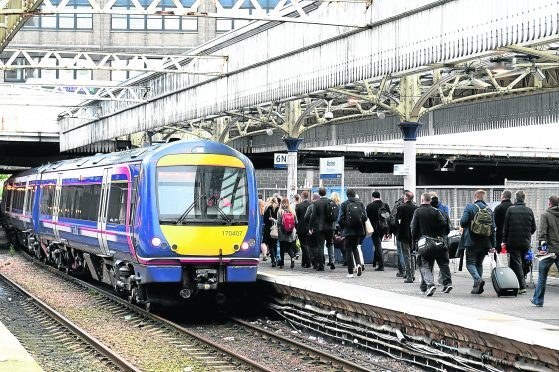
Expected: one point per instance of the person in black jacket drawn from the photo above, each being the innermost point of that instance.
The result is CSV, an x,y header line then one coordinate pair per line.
x,y
499,215
324,229
353,229
378,234
303,228
428,221
312,232
270,218
403,219
518,228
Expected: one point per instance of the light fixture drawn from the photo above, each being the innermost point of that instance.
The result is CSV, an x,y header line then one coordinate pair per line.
x,y
471,168
269,131
381,115
328,115
502,65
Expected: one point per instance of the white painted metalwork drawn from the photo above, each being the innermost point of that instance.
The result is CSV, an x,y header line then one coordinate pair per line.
x,y
86,92
213,65
345,68
291,11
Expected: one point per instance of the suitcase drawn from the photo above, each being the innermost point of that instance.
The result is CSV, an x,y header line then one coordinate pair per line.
x,y
504,279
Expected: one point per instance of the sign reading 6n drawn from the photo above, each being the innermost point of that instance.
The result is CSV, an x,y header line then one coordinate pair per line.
x,y
280,160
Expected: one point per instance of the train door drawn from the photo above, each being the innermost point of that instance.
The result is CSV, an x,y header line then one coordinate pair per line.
x,y
56,207
102,217
26,214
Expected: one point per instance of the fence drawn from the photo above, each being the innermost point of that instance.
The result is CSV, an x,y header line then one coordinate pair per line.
x,y
456,197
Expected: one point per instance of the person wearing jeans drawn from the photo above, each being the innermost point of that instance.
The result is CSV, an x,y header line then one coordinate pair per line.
x,y
403,219
548,236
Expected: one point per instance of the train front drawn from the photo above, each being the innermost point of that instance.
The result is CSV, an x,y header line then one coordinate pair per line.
x,y
199,221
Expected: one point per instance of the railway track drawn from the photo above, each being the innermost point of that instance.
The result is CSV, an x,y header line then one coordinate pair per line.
x,y
66,328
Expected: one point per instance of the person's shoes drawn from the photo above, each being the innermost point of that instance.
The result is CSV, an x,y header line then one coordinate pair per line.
x,y
535,304
421,291
281,266
320,268
273,264
314,267
399,274
447,288
264,258
349,276
332,266
522,291
430,291
408,280
344,264
305,266
379,269
292,264
296,256
480,285
474,291
359,271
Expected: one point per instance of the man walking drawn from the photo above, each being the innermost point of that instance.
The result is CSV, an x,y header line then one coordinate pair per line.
x,y
325,232
479,237
378,213
351,221
312,232
394,230
428,222
518,228
548,237
499,213
404,217
303,228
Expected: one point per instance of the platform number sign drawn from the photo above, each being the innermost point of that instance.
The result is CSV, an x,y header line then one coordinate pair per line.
x,y
280,160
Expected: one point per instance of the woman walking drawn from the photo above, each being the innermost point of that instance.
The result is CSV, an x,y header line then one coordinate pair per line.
x,y
270,221
287,233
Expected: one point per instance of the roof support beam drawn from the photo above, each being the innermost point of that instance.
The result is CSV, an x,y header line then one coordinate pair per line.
x,y
87,92
10,24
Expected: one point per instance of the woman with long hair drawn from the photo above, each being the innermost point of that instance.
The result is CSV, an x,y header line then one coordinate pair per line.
x,y
270,219
287,232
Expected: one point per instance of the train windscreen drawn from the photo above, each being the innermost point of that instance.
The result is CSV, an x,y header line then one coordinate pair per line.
x,y
202,194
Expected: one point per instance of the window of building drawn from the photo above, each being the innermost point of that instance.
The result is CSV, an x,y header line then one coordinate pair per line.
x,y
116,208
153,22
64,21
223,25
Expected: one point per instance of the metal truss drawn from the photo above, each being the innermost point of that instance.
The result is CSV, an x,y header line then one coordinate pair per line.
x,y
294,11
135,94
409,97
83,112
212,65
10,24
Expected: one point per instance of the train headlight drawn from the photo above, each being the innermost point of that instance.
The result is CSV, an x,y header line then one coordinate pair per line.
x,y
156,241
252,242
244,246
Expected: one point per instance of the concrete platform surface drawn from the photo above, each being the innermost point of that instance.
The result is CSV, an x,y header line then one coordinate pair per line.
x,y
13,356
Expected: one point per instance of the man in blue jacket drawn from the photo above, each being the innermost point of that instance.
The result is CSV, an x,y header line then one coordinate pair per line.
x,y
477,246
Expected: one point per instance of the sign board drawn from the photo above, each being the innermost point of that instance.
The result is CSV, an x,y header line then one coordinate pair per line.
x,y
331,167
401,170
280,160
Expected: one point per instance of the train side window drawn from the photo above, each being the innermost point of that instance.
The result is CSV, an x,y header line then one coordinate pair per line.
x,y
47,199
30,199
116,209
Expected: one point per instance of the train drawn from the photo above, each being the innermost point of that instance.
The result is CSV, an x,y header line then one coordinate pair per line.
x,y
159,224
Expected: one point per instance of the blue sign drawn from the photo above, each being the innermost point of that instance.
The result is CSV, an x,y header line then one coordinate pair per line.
x,y
331,189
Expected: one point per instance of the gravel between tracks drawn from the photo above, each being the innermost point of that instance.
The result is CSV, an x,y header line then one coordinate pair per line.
x,y
148,350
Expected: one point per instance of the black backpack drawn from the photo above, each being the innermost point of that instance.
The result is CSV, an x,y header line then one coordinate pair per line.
x,y
332,211
354,215
383,219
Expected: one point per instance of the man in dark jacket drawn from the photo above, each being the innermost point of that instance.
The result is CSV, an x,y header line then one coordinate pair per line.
x,y
499,213
403,218
518,228
324,229
429,222
476,245
548,236
394,230
312,232
352,222
378,234
303,228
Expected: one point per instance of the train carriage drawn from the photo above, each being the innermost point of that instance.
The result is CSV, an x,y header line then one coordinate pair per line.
x,y
159,223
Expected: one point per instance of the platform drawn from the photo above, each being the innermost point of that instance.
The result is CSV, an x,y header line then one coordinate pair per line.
x,y
13,356
507,319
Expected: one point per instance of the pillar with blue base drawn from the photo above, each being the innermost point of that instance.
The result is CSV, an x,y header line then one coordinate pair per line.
x,y
409,131
292,145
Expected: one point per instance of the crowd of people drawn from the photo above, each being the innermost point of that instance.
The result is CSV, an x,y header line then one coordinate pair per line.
x,y
421,233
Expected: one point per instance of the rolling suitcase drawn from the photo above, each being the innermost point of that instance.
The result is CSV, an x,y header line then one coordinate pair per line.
x,y
504,279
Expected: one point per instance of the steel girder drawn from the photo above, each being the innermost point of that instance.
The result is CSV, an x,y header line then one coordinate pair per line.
x,y
291,11
11,23
452,70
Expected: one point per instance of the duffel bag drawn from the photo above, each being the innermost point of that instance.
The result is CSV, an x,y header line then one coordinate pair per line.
x,y
431,247
453,242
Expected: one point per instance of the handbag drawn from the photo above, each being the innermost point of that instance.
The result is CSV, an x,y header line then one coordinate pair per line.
x,y
274,231
369,227
431,247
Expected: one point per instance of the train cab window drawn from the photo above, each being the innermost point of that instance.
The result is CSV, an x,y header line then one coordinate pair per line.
x,y
116,208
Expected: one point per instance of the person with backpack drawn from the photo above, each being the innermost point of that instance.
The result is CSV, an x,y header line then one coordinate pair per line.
x,y
352,222
519,225
287,232
378,212
393,225
479,237
303,228
322,220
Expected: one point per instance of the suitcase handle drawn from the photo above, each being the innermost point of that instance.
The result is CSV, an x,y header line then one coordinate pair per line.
x,y
493,260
